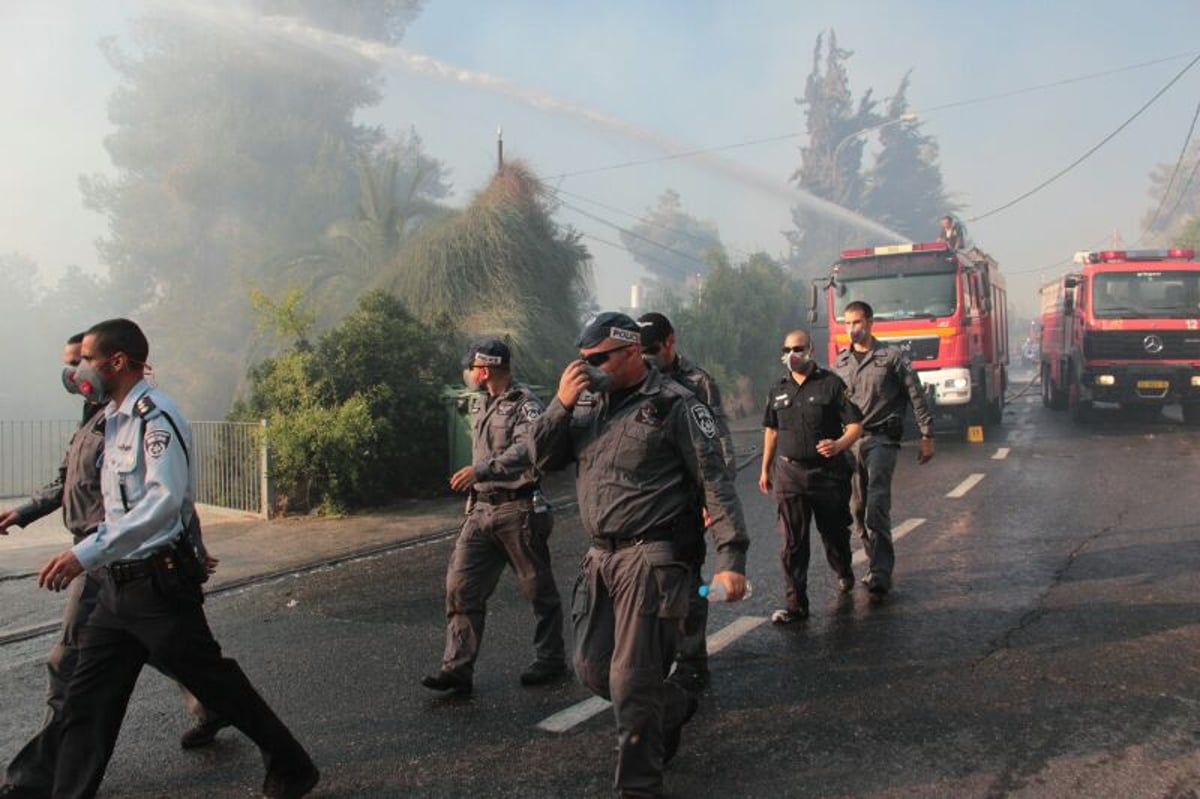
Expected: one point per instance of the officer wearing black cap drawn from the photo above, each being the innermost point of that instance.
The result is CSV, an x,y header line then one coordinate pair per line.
x,y
658,349
809,423
643,446
508,522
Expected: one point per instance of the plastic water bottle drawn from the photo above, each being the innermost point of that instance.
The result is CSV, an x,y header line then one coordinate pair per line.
x,y
715,592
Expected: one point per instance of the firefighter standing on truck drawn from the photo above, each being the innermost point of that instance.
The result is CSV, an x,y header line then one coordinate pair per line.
x,y
880,381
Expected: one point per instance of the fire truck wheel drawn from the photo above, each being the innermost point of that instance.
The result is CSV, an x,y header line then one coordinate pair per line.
x,y
1191,414
1051,397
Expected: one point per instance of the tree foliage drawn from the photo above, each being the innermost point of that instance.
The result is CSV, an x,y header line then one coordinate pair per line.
x,y
832,119
735,327
904,187
234,145
1175,194
358,418
502,267
672,246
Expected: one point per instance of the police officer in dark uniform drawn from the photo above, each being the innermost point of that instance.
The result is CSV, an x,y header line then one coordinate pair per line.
x,y
809,423
881,381
643,445
658,349
149,604
77,491
508,522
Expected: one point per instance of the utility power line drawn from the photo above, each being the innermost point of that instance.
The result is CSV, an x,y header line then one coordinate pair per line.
x,y
1090,152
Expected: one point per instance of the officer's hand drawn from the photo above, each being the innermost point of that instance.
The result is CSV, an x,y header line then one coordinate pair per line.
x,y
764,481
7,520
572,383
924,450
827,447
463,479
735,585
210,564
60,571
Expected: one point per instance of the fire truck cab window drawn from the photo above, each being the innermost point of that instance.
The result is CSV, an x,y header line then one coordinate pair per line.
x,y
904,296
1146,295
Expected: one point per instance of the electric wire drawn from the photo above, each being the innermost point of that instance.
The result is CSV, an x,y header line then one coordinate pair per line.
x,y
1091,151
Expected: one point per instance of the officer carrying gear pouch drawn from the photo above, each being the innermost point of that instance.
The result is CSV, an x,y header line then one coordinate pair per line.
x,y
893,427
172,579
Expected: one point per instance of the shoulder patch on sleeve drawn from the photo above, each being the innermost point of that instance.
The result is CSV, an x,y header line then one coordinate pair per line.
x,y
530,411
157,442
704,419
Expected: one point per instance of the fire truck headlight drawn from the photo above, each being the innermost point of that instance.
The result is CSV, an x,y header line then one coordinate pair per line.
x,y
956,382
1195,381
1106,380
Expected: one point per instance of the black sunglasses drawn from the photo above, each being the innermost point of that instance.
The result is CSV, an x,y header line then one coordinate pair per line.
x,y
597,358
786,350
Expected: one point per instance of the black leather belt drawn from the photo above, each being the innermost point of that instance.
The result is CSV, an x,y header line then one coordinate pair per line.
x,y
126,571
499,496
807,463
612,543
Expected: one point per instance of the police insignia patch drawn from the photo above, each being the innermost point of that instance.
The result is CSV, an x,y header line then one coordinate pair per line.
x,y
704,420
157,442
530,411
647,415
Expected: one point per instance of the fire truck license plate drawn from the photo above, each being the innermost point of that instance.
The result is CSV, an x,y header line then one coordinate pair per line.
x,y
1153,384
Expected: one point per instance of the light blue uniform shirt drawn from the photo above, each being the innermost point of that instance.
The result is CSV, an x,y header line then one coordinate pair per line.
x,y
152,468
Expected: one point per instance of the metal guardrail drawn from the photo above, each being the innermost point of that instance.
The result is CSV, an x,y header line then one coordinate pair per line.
x,y
231,465
31,454
230,461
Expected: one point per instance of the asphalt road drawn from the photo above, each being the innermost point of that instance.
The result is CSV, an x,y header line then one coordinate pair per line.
x,y
1042,640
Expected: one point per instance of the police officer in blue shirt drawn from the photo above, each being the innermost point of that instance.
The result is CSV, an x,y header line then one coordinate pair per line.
x,y
150,599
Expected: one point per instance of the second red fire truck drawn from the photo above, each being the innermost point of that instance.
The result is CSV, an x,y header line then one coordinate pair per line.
x,y
1125,328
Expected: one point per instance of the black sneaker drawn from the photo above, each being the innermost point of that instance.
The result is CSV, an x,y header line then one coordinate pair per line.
x,y
541,672
789,615
672,734
877,587
291,784
202,734
448,681
693,679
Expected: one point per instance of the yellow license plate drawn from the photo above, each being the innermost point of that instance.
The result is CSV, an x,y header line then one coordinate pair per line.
x,y
1153,384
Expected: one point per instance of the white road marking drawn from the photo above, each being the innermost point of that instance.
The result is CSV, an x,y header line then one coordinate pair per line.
x,y
899,531
966,485
580,712
1001,454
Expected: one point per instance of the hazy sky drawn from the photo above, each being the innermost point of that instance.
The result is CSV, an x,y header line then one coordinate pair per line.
x,y
676,75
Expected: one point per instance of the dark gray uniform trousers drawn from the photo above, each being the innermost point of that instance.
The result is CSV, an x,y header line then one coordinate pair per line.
x,y
874,459
692,650
138,621
492,536
627,611
803,493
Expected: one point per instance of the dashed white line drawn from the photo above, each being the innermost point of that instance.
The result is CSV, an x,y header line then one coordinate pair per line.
x,y
966,485
1001,454
580,712
899,531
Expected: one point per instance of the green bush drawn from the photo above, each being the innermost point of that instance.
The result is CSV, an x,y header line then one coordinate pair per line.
x,y
357,419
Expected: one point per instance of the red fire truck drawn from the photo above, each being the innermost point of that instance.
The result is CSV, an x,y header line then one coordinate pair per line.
x,y
1123,329
945,308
